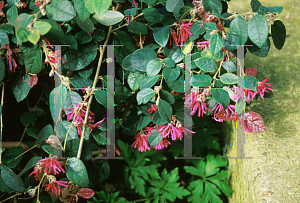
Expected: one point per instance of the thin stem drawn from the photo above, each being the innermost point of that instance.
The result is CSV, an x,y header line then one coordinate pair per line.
x,y
102,50
27,150
37,199
2,98
9,197
159,50
236,15
24,131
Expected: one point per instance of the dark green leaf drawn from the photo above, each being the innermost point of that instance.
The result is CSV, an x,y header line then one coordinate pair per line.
x,y
250,82
86,72
148,82
72,149
7,28
209,5
21,88
12,14
28,117
278,34
81,10
101,6
61,129
99,136
87,25
196,30
174,6
171,74
137,27
73,98
99,35
152,15
232,42
10,155
261,52
83,37
80,59
167,96
161,35
255,4
45,133
169,62
210,26
158,120
141,57
2,69
229,66
221,97
76,172
34,61
165,110
154,138
12,180
60,95
30,164
178,85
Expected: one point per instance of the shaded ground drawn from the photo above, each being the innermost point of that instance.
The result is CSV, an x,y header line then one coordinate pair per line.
x,y
273,174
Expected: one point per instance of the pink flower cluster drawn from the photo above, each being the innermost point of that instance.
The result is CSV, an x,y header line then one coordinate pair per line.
x,y
79,112
175,130
184,33
49,165
39,3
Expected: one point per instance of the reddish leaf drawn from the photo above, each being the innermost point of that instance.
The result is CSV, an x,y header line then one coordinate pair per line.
x,y
254,122
223,115
1,5
251,71
33,80
4,46
86,193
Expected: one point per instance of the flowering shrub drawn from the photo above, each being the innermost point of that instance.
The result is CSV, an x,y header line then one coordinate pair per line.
x,y
153,40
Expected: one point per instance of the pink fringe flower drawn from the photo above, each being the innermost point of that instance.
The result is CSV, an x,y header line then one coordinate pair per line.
x,y
262,88
54,185
49,165
228,114
195,101
163,144
141,139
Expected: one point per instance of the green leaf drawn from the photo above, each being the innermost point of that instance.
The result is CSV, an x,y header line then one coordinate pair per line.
x,y
101,97
216,44
209,5
153,67
148,82
28,118
82,12
76,172
261,52
169,62
207,64
34,61
275,9
134,80
80,59
232,42
258,30
10,155
221,97
60,94
240,106
2,69
21,88
12,180
177,85
229,66
30,164
129,45
42,27
60,10
165,110
144,95
174,6
144,121
7,28
12,14
176,54
158,120
89,5
240,26
229,78
154,138
141,57
72,147
79,82
83,37
73,98
86,25
56,35
196,30
255,4
161,35
152,15
278,34
210,26
61,129
250,82
100,6
171,74
109,17
45,133
99,136
99,35
137,27
167,96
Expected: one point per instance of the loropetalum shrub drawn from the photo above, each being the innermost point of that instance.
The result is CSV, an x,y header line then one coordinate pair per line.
x,y
149,99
